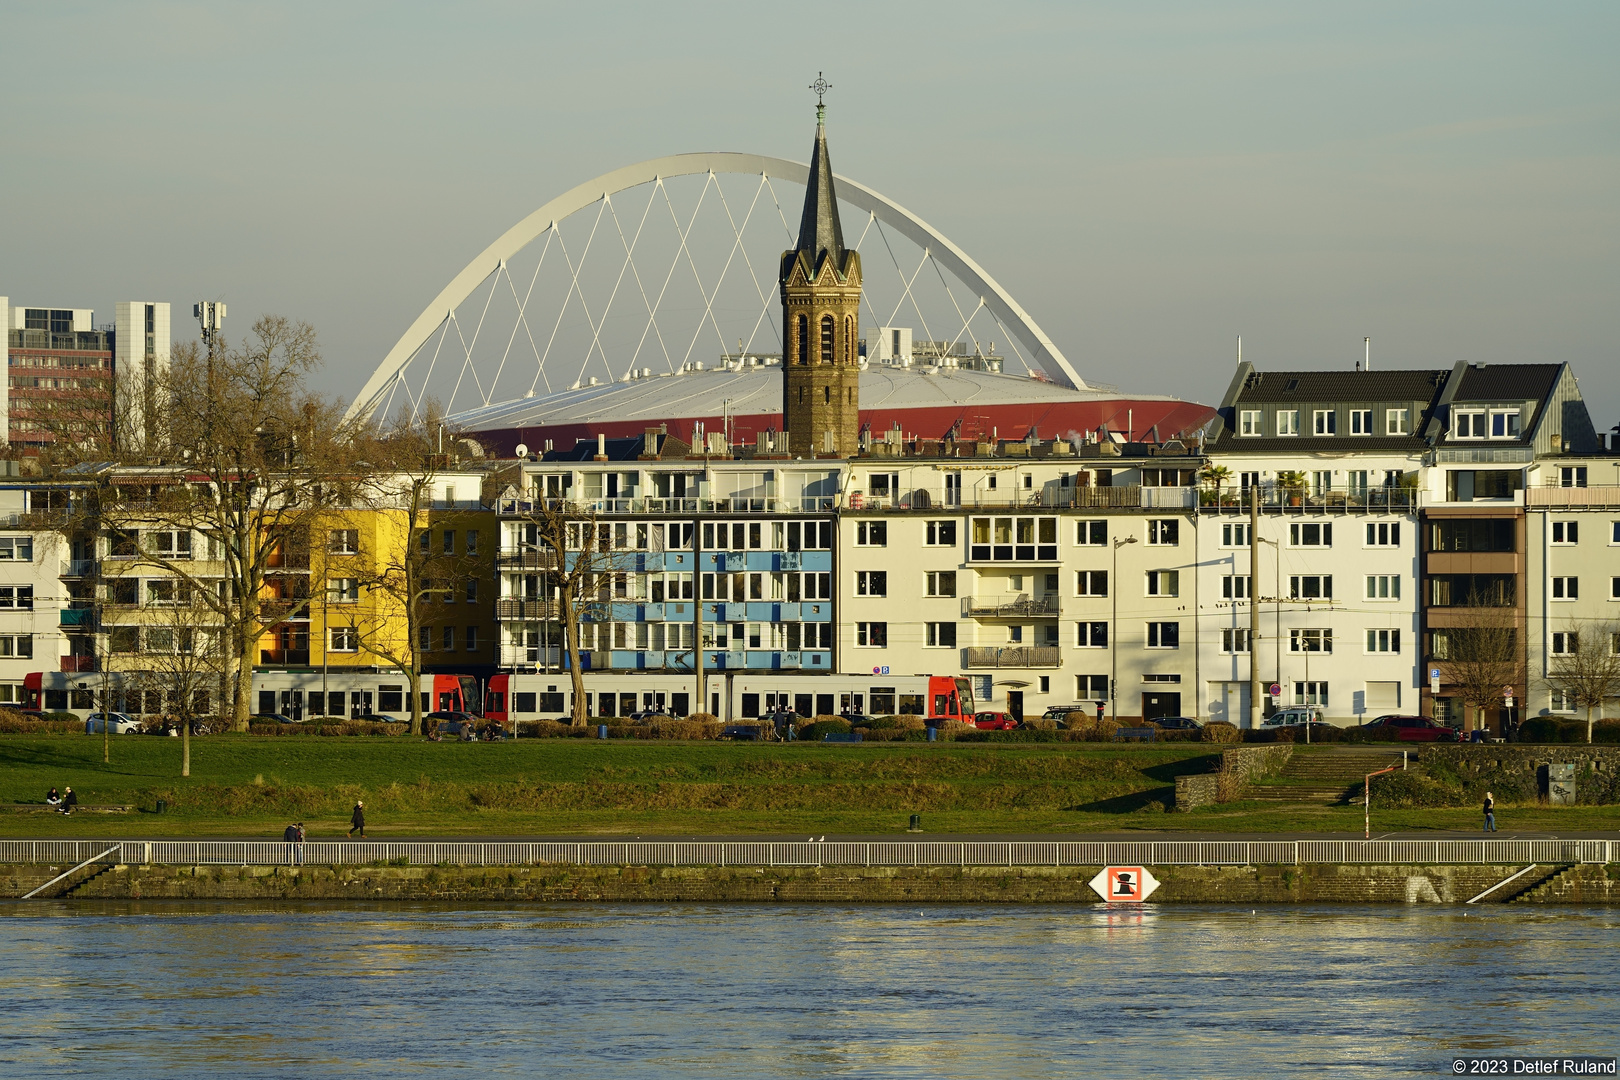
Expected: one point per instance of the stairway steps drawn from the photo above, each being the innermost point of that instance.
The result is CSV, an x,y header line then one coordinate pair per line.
x,y
1543,886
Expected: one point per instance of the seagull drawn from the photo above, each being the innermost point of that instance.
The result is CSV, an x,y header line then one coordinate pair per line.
x,y
823,840
809,839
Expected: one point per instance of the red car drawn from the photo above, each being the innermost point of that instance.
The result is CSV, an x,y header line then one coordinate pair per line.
x,y
993,721
1412,728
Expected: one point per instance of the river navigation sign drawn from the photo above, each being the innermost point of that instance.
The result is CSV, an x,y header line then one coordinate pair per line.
x,y
1124,884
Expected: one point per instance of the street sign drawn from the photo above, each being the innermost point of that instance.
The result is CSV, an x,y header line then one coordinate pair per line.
x,y
884,670
1276,690
1507,691
1124,884
1434,673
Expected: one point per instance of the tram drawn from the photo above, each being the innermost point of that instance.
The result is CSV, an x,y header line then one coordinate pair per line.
x,y
298,694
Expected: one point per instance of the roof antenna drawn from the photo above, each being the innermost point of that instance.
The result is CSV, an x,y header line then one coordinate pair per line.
x,y
1367,366
1240,350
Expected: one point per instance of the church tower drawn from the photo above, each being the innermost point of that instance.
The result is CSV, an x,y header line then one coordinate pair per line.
x,y
821,297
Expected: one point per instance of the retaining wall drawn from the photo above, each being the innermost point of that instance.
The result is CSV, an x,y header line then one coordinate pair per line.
x,y
1308,884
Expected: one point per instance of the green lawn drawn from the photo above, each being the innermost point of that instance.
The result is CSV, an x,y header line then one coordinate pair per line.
x,y
246,785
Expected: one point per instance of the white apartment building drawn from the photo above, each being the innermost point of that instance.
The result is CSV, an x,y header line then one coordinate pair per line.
x,y
32,596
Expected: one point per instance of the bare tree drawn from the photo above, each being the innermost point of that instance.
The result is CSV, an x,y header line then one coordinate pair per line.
x,y
1587,668
1482,655
182,665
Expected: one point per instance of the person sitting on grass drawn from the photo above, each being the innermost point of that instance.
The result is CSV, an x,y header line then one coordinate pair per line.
x,y
52,799
69,801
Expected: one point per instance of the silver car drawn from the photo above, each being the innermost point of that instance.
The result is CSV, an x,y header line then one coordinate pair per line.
x,y
118,723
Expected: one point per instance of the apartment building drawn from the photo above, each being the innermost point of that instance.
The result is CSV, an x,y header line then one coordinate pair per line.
x,y
32,598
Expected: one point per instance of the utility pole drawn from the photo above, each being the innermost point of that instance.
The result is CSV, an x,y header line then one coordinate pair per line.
x,y
1254,605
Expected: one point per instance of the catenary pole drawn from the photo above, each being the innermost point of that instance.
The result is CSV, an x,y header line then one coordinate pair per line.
x,y
1254,605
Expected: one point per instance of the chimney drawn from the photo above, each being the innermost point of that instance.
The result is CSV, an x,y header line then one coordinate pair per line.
x,y
1367,364
601,447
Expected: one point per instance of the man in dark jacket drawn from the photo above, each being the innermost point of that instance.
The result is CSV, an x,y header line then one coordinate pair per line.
x,y
357,820
69,801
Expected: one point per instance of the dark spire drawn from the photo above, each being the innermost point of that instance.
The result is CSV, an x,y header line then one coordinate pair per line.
x,y
820,233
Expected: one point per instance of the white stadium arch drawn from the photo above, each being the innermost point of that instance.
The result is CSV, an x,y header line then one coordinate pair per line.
x,y
990,293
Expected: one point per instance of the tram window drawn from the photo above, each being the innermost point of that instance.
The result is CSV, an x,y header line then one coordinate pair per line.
x,y
883,700
911,704
523,703
679,704
317,703
609,704
750,704
390,698
549,702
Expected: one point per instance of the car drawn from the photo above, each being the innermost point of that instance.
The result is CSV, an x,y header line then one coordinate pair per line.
x,y
659,713
1058,712
1411,728
451,722
271,718
1177,723
855,720
743,732
1294,716
994,721
117,723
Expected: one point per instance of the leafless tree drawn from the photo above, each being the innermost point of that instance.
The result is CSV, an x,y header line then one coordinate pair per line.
x,y
182,668
1482,655
1587,670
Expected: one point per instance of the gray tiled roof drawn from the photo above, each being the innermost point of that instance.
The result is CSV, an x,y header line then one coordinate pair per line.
x,y
1507,382
1346,386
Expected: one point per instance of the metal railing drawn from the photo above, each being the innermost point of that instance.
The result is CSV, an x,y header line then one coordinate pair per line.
x,y
1015,656
990,607
1235,500
725,504
510,607
831,853
1602,497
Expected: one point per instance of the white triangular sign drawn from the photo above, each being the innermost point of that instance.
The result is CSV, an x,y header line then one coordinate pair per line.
x,y
1124,884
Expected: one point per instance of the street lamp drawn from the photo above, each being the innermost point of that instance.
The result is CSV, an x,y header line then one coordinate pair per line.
x,y
1276,597
1113,630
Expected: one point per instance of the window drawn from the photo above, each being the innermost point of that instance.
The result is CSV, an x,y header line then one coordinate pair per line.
x,y
883,485
18,646
1093,687
1355,483
940,635
1468,425
1504,423
1383,641
871,583
1310,587
872,533
471,637
17,597
872,635
1397,421
1163,583
1164,635
121,544
1473,534
1287,421
1566,532
1309,534
449,541
1325,422
1310,641
1091,635
1094,533
472,589
1235,536
1383,586
1561,701
941,534
170,543
343,542
1091,583
941,582
1472,590
1310,693
1384,534
1234,641
472,542
1572,476
1013,539
344,590
1614,588
345,639
1566,588
826,339
1322,482
425,541
1614,532
124,639
1165,532
16,549
1361,422
447,639
424,638
1565,643
1235,587
1249,423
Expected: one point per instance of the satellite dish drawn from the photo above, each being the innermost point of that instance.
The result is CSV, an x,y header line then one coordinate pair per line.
x,y
522,450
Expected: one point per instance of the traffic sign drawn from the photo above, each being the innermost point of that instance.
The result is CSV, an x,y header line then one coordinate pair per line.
x,y
1124,884
1434,673
884,670
1507,691
1276,690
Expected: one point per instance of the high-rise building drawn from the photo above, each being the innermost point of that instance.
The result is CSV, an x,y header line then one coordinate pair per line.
x,y
821,295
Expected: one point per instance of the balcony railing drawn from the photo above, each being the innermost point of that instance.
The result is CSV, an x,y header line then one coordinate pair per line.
x,y
1337,500
737,504
1603,497
288,657
994,607
531,559
78,663
513,607
1017,656
1481,455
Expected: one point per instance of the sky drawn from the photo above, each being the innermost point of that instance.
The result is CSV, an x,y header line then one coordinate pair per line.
x,y
1149,181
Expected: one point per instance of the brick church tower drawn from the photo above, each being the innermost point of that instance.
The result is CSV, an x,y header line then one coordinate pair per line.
x,y
821,297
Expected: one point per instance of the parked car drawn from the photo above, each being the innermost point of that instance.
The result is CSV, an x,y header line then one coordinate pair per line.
x,y
1294,716
118,723
451,722
1412,728
994,721
742,732
1177,723
271,718
1058,712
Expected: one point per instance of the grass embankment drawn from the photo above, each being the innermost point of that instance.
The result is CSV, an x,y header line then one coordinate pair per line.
x,y
243,785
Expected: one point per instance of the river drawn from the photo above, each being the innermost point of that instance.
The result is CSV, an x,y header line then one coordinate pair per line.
x,y
286,990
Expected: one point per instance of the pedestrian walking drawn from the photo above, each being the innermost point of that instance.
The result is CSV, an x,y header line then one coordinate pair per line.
x,y
298,850
357,820
1490,813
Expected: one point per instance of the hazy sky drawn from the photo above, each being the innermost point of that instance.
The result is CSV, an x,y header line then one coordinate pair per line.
x,y
1148,180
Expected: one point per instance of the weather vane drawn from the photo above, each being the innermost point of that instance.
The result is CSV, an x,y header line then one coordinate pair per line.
x,y
820,86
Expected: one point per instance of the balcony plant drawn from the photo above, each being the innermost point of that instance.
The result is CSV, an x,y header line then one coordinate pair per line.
x,y
1292,483
1215,476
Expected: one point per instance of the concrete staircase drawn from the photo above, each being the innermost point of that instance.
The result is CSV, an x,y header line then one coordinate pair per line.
x,y
1542,885
1329,774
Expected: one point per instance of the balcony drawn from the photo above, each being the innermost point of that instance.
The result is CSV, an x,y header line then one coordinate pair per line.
x,y
725,504
527,559
82,617
1001,607
1275,500
285,657
78,567
78,664
1016,656
519,608
1552,497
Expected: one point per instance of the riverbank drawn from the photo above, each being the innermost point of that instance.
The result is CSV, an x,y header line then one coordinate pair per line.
x,y
1311,884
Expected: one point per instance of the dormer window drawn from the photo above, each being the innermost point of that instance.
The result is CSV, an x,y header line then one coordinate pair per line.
x,y
1326,422
1250,422
1468,425
1504,423
1361,422
1287,421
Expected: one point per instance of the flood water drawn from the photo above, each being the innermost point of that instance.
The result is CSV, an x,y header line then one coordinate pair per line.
x,y
153,989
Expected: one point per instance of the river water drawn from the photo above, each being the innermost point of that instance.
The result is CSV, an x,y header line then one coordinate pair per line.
x,y
285,990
